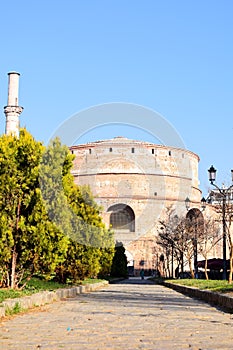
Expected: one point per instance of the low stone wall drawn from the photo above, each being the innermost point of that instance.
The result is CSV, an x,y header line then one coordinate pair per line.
x,y
223,301
46,297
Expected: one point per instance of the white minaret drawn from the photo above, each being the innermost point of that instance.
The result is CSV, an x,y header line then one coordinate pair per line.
x,y
13,110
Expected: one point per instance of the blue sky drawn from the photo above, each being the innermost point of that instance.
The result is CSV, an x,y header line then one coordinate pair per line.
x,y
174,57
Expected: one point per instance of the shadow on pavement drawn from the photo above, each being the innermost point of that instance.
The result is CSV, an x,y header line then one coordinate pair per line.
x,y
134,292
135,280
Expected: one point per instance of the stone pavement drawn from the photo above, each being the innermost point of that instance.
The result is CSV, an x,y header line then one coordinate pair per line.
x,y
130,315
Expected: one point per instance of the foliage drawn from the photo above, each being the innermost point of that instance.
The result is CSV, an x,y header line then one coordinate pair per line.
x,y
119,262
47,223
11,294
73,209
36,284
15,310
29,241
91,280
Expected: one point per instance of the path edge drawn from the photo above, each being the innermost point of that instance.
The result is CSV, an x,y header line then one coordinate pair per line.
x,y
220,300
47,297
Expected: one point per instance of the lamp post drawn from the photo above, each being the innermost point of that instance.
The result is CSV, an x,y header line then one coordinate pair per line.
x,y
203,205
224,192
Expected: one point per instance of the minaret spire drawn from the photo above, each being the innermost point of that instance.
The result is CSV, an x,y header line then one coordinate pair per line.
x,y
13,110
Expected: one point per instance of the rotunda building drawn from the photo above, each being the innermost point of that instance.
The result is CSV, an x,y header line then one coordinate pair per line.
x,y
135,182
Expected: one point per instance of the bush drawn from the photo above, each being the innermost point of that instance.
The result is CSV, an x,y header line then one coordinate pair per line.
x,y
119,262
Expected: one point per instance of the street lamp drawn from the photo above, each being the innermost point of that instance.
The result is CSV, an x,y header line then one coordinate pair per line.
x,y
224,192
196,214
203,203
187,203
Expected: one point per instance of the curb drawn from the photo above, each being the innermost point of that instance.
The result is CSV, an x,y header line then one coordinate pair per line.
x,y
222,301
117,279
46,297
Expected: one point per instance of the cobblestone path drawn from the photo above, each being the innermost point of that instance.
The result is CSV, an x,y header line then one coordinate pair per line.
x,y
131,315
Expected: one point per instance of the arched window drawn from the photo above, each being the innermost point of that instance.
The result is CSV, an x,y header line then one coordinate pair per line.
x,y
122,217
195,222
194,215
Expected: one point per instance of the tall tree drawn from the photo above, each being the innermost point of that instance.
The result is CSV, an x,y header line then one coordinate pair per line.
x,y
45,219
119,263
208,237
224,210
19,160
73,209
172,239
176,236
25,231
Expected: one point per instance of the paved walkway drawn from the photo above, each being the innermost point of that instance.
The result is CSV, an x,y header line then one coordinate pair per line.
x,y
131,315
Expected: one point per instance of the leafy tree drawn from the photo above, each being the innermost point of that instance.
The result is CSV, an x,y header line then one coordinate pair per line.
x,y
28,240
73,209
46,221
119,262
17,182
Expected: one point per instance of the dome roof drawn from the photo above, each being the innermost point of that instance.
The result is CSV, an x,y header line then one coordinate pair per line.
x,y
118,140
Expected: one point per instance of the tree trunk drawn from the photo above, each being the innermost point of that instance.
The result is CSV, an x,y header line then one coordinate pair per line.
x,y
168,267
206,273
182,262
191,268
14,253
231,264
13,268
8,277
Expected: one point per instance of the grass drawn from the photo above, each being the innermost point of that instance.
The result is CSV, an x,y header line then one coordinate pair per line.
x,y
15,310
33,286
90,280
219,286
11,294
37,285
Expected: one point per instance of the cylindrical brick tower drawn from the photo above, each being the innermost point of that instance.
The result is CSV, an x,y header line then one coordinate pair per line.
x,y
135,182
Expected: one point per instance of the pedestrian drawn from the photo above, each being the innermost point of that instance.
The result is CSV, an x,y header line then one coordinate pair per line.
x,y
142,274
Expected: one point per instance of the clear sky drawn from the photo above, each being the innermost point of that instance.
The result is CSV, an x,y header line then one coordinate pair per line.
x,y
173,56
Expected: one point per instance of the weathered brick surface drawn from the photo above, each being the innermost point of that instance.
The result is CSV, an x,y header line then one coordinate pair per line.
x,y
148,180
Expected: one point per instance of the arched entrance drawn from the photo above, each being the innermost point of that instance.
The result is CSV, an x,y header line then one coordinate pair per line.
x,y
122,217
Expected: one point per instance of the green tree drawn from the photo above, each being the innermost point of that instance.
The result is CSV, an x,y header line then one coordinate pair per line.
x,y
29,241
119,262
73,209
47,223
19,159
